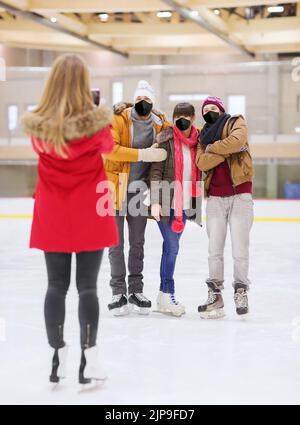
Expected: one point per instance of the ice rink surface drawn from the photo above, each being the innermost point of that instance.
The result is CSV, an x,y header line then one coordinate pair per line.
x,y
160,359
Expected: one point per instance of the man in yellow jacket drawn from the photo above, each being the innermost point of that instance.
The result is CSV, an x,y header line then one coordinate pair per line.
x,y
134,130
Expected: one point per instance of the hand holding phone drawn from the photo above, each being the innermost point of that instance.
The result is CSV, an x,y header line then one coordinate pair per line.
x,y
96,96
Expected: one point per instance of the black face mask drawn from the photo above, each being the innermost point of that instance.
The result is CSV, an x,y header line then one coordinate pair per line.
x,y
182,124
211,117
143,108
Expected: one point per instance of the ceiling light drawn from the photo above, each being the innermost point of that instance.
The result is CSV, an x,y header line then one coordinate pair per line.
x,y
275,9
217,11
248,12
297,129
103,17
165,14
53,20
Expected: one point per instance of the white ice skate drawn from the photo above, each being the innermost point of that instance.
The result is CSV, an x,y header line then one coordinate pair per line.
x,y
159,301
167,304
90,367
59,363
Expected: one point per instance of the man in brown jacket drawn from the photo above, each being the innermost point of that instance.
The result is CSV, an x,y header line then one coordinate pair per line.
x,y
223,155
134,130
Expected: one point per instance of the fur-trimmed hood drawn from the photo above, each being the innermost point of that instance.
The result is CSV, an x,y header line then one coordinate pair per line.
x,y
86,124
165,135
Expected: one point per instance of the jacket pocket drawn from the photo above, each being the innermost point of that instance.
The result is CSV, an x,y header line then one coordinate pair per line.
x,y
247,163
241,165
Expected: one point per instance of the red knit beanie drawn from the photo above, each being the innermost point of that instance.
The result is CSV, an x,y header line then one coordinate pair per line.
x,y
214,100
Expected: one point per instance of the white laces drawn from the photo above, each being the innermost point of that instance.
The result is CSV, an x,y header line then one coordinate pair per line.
x,y
141,297
116,298
211,297
173,299
241,299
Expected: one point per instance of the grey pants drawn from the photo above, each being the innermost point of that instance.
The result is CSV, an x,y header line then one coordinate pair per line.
x,y
237,211
136,228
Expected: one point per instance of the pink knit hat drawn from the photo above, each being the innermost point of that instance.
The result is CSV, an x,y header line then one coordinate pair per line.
x,y
214,100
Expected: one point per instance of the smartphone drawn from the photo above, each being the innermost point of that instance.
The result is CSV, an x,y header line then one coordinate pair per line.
x,y
96,96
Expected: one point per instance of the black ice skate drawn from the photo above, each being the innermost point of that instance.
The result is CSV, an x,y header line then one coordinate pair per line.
x,y
139,303
241,300
214,306
90,369
119,305
59,360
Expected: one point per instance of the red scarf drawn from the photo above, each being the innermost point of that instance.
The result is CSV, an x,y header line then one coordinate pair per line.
x,y
191,142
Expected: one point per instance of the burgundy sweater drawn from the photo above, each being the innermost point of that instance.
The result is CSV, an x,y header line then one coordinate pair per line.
x,y
222,185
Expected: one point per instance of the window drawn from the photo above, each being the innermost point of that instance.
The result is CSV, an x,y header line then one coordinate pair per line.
x,y
237,105
12,116
117,92
187,97
30,108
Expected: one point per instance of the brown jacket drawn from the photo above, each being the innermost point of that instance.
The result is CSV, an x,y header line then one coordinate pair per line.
x,y
165,172
234,138
117,163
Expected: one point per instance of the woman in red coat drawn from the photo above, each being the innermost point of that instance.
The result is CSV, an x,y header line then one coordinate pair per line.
x,y
69,134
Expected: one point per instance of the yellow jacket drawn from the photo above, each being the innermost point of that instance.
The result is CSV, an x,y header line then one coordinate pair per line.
x,y
117,163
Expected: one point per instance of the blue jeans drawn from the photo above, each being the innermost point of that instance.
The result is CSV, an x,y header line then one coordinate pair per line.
x,y
169,254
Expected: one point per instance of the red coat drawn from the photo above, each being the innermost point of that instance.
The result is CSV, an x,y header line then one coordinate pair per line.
x,y
65,212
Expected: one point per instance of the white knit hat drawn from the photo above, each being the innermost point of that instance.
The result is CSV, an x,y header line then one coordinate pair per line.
x,y
144,89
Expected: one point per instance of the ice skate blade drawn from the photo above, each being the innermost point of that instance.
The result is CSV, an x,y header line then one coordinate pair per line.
x,y
175,314
55,386
121,311
143,311
168,312
213,314
94,384
88,381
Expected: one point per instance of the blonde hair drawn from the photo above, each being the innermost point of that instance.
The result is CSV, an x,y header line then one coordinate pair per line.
x,y
66,94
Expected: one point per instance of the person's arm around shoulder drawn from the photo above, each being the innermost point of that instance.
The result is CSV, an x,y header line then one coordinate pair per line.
x,y
236,140
126,154
166,123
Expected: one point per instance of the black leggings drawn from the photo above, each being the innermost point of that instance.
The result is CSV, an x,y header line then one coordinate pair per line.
x,y
59,275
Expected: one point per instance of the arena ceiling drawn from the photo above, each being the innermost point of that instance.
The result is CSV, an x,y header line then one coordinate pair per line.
x,y
152,27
